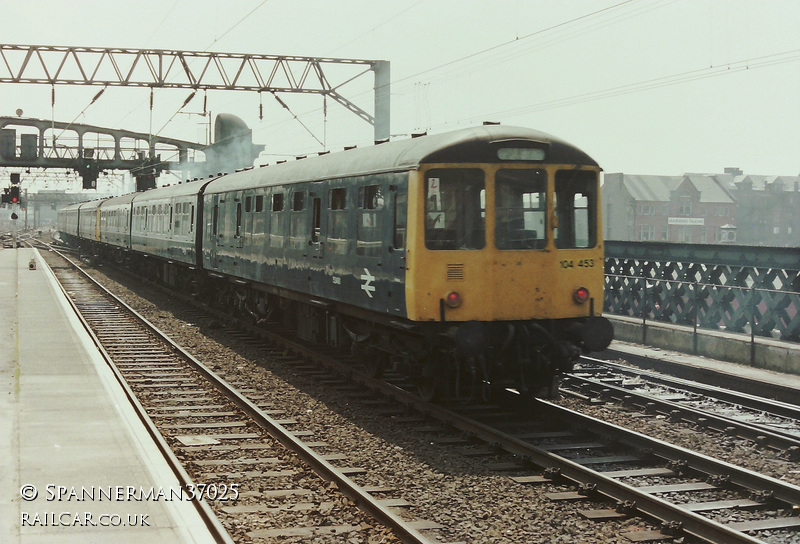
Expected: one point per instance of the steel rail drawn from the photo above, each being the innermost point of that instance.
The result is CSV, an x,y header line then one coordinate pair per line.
x,y
402,529
646,504
210,519
748,400
705,375
752,431
694,524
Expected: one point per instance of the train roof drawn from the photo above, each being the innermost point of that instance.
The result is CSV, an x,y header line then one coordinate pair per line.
x,y
69,207
123,200
91,204
160,193
478,144
181,189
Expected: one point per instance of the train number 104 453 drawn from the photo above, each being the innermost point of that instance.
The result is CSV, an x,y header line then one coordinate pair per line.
x,y
583,263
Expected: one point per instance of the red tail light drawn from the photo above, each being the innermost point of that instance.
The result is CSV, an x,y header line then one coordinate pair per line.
x,y
453,299
581,295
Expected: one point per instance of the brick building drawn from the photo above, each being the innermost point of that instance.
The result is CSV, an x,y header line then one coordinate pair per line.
x,y
693,208
768,208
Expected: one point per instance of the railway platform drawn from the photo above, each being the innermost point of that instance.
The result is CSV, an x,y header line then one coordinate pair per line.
x,y
76,464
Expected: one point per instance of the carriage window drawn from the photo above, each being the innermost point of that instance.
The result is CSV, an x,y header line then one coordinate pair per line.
x,y
576,209
520,209
455,208
248,204
298,201
370,197
338,198
259,203
277,202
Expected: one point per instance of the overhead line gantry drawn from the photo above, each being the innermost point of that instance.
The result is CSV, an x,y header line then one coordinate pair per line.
x,y
197,70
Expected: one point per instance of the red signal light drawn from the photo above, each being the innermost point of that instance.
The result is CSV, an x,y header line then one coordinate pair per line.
x,y
581,295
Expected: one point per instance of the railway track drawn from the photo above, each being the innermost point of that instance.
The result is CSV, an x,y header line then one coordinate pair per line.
x,y
540,442
767,422
626,471
243,457
704,375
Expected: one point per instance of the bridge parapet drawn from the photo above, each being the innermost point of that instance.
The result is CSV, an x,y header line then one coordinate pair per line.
x,y
742,289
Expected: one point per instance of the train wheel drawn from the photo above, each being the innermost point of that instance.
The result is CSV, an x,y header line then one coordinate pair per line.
x,y
487,392
375,362
428,388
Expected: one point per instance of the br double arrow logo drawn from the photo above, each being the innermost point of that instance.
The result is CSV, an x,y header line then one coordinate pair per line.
x,y
367,286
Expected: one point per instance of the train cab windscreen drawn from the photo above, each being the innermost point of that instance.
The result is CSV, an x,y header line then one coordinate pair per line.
x,y
520,209
455,209
576,209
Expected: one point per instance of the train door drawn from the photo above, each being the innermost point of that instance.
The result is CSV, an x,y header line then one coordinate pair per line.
x,y
316,228
247,229
213,237
97,224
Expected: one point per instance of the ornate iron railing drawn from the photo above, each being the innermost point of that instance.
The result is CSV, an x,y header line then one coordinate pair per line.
x,y
761,312
752,290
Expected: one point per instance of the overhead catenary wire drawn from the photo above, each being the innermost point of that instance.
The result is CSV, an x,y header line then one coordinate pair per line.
x,y
663,81
374,28
231,28
282,103
545,32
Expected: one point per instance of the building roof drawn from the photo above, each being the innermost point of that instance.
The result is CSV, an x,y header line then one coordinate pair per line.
x,y
660,188
710,189
768,183
650,187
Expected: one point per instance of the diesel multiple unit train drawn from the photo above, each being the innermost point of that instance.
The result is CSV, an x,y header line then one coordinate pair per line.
x,y
469,260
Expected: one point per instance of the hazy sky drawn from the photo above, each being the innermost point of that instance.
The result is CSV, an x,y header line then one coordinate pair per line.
x,y
644,86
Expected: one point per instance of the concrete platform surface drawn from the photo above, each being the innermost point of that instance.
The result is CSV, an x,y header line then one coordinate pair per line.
x,y
696,361
76,464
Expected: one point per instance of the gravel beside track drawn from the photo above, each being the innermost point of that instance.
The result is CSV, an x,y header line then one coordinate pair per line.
x,y
473,503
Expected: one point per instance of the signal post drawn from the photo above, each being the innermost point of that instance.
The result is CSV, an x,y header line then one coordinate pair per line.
x,y
11,195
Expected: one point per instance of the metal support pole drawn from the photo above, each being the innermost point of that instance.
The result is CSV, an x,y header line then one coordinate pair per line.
x,y
14,216
694,339
382,99
644,310
752,326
